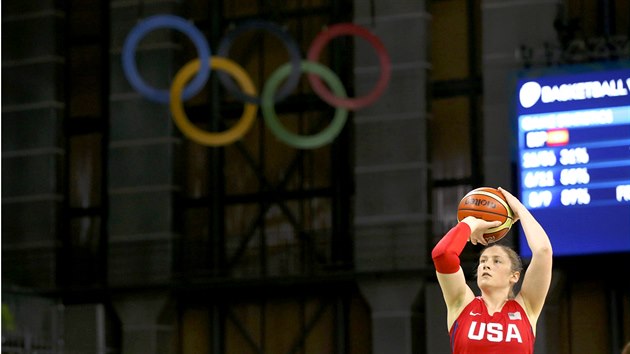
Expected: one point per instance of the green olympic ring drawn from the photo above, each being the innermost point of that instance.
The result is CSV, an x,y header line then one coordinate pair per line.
x,y
273,122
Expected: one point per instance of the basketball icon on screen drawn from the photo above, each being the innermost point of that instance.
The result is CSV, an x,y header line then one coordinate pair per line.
x,y
530,93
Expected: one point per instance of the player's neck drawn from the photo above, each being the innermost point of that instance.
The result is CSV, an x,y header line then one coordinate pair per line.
x,y
494,300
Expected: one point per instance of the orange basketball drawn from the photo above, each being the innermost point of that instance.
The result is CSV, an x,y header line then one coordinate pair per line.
x,y
488,204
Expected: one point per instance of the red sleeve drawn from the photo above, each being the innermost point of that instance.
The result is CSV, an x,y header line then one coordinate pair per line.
x,y
446,253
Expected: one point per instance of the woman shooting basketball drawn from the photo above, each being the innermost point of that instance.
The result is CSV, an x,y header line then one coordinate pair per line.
x,y
497,321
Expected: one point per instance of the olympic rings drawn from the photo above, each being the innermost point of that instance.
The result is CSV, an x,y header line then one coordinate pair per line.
x,y
349,29
198,135
304,142
184,88
155,22
289,43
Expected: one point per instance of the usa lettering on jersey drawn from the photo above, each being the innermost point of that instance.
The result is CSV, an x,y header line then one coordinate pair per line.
x,y
493,332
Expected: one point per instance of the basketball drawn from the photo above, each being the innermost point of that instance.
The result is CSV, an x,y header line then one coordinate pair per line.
x,y
488,204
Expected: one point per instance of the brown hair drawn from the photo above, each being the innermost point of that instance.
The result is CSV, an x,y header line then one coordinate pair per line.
x,y
515,261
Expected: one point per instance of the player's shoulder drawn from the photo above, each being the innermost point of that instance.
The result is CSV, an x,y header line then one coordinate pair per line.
x,y
460,312
475,303
520,302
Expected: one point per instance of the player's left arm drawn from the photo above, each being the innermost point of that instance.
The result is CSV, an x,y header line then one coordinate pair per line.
x,y
537,279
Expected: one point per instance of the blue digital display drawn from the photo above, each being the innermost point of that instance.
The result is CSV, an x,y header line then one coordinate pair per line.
x,y
573,156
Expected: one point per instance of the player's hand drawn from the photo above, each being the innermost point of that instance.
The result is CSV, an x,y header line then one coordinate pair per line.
x,y
517,207
478,227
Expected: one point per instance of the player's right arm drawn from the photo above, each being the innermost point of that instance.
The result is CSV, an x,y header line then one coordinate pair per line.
x,y
445,256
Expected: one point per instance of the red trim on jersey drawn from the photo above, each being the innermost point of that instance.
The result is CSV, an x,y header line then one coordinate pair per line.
x,y
446,253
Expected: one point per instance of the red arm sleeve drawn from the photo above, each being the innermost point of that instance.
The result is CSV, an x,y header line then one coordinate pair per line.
x,y
446,253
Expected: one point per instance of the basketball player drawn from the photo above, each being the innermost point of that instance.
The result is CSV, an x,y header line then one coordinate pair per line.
x,y
497,321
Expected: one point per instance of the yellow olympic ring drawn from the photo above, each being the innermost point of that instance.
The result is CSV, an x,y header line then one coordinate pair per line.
x,y
199,135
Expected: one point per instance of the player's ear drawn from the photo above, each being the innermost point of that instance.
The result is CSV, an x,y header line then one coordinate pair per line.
x,y
515,277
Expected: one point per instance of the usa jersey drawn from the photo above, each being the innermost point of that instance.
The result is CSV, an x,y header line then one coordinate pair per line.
x,y
476,331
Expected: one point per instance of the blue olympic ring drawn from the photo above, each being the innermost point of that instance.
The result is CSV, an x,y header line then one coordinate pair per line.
x,y
168,21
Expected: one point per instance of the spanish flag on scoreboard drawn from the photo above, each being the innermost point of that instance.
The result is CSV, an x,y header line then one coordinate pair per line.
x,y
557,137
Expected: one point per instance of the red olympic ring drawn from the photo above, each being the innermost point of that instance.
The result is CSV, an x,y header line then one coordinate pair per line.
x,y
349,29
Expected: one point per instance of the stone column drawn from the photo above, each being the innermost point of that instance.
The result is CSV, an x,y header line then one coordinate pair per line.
x,y
147,323
391,301
89,329
508,24
391,171
142,181
33,149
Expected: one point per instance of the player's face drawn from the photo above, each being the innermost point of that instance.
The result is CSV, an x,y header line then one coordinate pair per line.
x,y
495,268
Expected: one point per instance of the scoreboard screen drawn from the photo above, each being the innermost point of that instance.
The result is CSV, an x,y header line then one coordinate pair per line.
x,y
573,159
